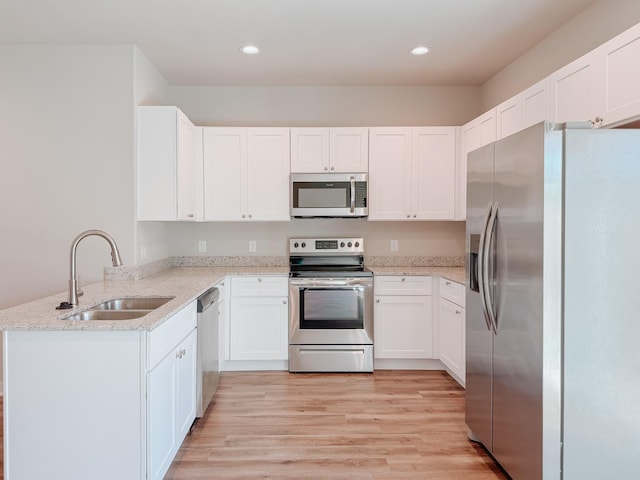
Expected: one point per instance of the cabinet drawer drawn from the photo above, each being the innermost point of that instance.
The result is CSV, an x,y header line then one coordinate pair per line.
x,y
259,286
164,338
401,285
452,291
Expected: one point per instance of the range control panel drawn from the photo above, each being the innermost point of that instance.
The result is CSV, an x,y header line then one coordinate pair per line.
x,y
326,245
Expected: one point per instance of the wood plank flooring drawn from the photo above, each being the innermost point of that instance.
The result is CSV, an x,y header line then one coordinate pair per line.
x,y
391,425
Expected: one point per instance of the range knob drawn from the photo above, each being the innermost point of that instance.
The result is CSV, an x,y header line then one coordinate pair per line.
x,y
296,245
349,244
357,244
304,244
342,244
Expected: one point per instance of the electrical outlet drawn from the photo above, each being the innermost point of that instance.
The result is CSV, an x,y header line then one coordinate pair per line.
x,y
252,245
143,252
394,245
202,246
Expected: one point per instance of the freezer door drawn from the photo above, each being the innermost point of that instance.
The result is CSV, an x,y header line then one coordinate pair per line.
x,y
478,334
518,303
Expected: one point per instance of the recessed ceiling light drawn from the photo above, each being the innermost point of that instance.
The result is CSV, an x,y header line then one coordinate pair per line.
x,y
250,49
420,50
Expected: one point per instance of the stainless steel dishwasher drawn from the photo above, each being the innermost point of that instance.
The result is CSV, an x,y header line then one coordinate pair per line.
x,y
208,363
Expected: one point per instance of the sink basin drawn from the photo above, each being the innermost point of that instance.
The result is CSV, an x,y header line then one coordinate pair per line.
x,y
108,315
126,308
135,303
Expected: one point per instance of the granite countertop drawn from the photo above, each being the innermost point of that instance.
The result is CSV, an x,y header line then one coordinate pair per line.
x,y
183,283
455,274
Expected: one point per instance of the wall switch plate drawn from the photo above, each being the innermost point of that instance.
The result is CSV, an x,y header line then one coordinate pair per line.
x,y
394,245
252,245
202,246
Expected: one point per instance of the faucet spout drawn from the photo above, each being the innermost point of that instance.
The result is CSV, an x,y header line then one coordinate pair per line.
x,y
73,281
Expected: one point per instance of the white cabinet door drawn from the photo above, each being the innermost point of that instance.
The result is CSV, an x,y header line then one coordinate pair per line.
x,y
433,173
185,385
619,77
168,168
330,150
403,327
259,328
509,117
267,182
573,92
487,128
389,173
535,104
349,150
310,150
452,337
225,164
161,417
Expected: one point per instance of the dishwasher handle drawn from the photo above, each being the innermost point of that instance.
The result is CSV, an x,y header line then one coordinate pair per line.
x,y
207,299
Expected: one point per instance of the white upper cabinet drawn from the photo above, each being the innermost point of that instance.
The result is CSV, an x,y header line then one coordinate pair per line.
x,y
573,91
619,77
329,150
169,169
412,173
246,174
523,110
478,132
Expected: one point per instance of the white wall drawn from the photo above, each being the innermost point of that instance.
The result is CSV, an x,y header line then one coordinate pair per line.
x,y
598,23
66,150
414,238
327,106
150,88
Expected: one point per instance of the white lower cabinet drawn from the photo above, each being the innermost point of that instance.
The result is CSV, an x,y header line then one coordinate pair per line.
x,y
259,318
403,319
452,328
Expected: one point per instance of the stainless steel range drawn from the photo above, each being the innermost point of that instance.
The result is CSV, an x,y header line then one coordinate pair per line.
x,y
331,306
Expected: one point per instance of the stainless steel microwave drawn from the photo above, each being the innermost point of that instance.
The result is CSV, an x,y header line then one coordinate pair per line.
x,y
329,195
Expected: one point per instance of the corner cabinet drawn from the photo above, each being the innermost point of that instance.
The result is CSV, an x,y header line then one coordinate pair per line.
x,y
123,400
403,319
169,168
246,174
259,318
330,150
412,173
452,328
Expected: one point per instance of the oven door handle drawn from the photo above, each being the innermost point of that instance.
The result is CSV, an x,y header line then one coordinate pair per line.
x,y
331,282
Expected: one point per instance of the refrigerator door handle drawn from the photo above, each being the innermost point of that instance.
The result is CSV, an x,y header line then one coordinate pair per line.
x,y
488,253
481,276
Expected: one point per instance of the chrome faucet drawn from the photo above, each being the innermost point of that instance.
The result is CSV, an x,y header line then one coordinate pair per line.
x,y
73,281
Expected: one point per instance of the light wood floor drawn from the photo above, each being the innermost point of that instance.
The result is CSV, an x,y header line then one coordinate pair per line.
x,y
391,425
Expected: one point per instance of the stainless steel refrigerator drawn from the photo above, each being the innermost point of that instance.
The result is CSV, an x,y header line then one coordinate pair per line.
x,y
553,302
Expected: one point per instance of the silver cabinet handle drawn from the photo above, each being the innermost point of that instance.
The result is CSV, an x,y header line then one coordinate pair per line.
x,y
259,279
332,169
403,279
326,169
284,302
377,300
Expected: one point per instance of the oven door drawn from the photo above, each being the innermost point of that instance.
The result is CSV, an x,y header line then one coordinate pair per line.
x,y
331,311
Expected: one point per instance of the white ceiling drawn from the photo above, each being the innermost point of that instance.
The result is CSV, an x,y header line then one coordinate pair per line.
x,y
303,42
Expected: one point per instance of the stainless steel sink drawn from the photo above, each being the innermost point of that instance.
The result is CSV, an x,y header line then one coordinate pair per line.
x,y
108,315
135,303
126,308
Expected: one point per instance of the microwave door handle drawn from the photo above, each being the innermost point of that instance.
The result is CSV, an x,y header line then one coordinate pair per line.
x,y
353,195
